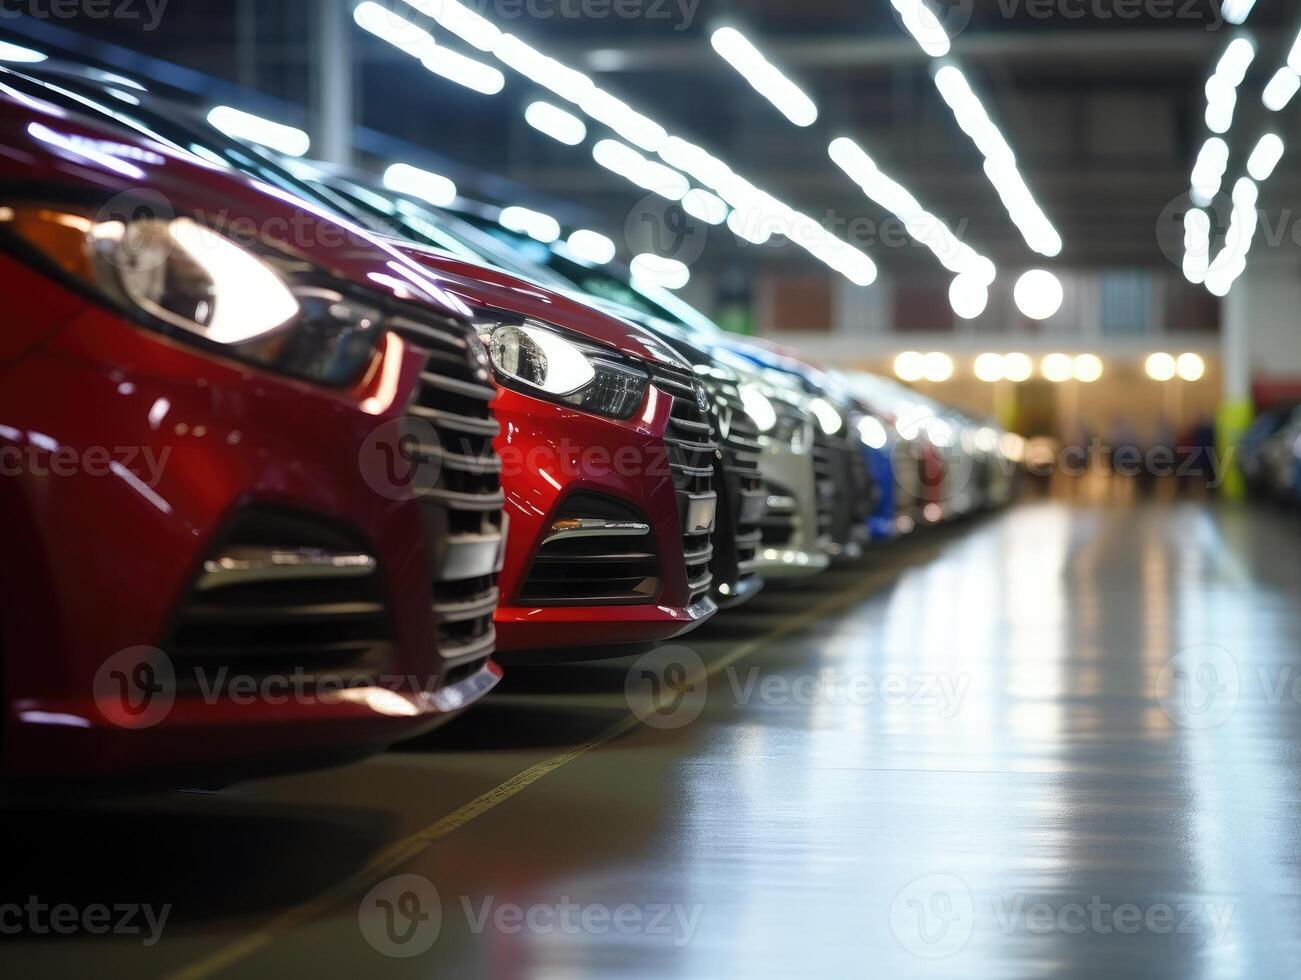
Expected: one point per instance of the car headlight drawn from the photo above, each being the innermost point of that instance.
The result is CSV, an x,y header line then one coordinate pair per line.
x,y
539,360
192,282
759,407
828,416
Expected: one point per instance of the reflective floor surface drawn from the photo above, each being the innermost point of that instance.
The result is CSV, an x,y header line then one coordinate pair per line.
x,y
1062,741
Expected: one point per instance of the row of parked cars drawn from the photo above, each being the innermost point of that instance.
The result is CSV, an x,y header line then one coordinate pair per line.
x,y
1270,454
293,461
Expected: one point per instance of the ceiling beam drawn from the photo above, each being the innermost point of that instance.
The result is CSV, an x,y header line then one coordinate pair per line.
x,y
1094,49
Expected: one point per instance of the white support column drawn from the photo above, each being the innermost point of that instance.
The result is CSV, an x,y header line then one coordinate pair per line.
x,y
333,98
1235,338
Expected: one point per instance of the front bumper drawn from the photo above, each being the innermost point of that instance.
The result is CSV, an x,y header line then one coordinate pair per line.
x,y
554,456
134,457
793,546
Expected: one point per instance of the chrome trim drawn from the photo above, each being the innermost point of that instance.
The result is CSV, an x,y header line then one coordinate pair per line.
x,y
248,564
570,529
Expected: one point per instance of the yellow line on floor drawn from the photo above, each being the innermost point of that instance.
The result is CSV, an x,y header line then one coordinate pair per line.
x,y
400,853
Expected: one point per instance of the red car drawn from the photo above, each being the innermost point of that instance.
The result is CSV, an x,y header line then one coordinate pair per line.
x,y
226,552
608,467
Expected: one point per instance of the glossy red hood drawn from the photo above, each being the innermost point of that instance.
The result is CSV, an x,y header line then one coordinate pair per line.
x,y
485,289
62,154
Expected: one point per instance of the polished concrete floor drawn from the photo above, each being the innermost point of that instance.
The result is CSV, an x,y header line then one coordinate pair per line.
x,y
1062,741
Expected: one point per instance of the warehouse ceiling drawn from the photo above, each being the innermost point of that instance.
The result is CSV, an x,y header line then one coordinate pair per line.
x,y
1101,100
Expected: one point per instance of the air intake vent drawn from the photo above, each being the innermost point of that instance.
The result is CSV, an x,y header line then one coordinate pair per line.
x,y
283,594
599,551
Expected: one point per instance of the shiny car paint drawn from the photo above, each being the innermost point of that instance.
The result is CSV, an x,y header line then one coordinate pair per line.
x,y
101,555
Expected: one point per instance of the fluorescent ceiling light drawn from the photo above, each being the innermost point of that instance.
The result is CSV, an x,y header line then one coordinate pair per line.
x,y
560,125
655,269
623,119
1208,171
764,77
414,40
1237,11
460,20
1281,88
431,187
968,296
749,226
535,224
1000,162
457,68
1088,368
1231,262
647,174
639,129
1038,294
955,255
1265,157
392,27
1235,61
1191,367
920,21
705,206
592,246
1197,245
246,126
1221,102
1057,368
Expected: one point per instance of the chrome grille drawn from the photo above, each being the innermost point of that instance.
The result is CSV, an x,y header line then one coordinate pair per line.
x,y
462,511
844,490
832,509
693,456
746,495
